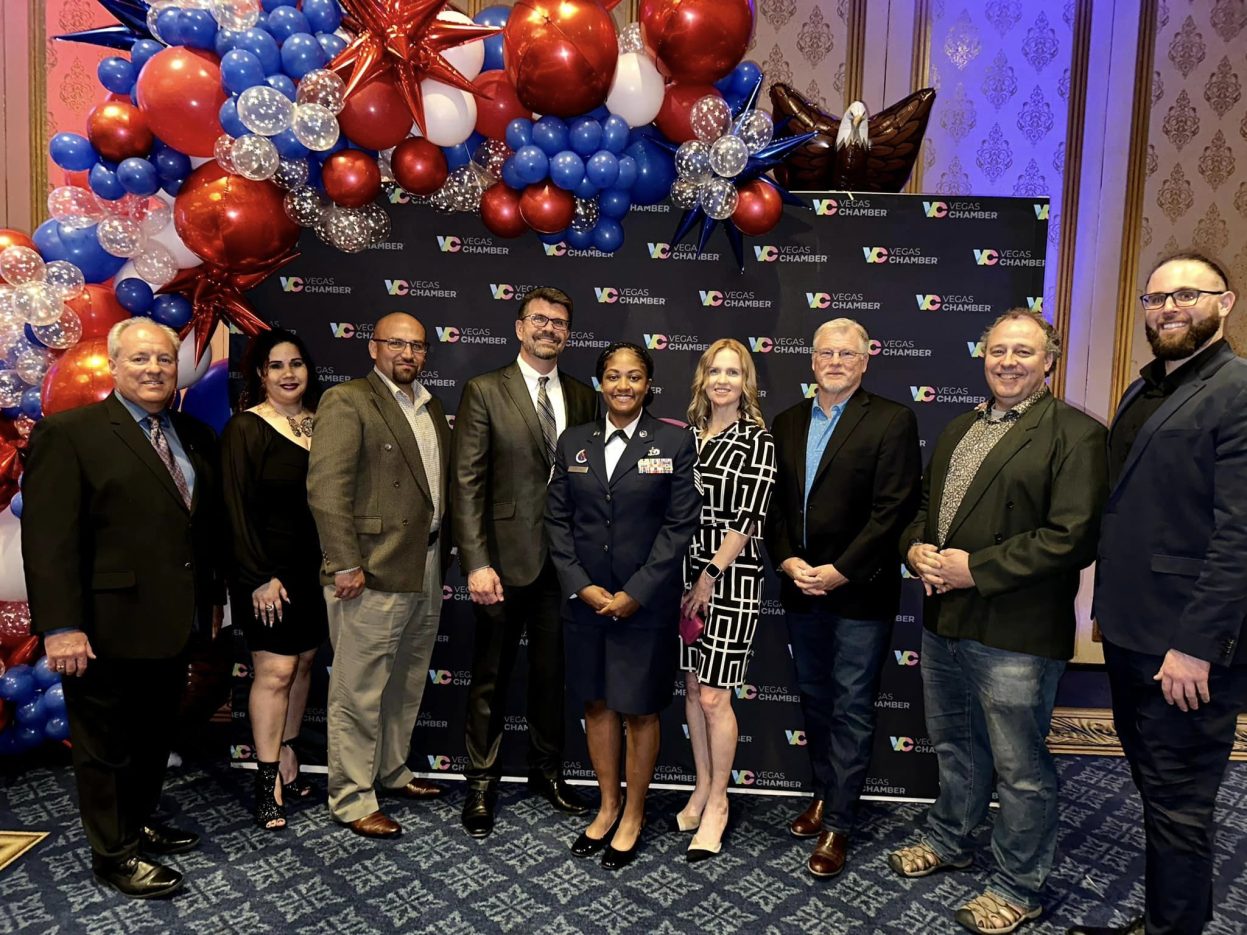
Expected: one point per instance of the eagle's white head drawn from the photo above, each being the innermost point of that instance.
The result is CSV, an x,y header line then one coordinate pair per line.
x,y
853,127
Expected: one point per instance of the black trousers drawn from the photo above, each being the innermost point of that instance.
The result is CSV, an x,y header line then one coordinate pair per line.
x,y
1178,760
122,714
533,609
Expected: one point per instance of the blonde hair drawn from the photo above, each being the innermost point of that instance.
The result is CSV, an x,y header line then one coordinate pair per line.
x,y
844,324
699,405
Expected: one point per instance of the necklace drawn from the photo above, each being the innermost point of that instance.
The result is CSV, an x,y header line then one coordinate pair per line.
x,y
300,425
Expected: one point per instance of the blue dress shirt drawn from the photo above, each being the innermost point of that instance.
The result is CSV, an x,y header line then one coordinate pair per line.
x,y
166,425
821,427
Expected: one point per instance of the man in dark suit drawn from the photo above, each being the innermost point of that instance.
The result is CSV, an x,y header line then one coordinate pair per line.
x,y
1171,595
377,486
121,540
846,485
1009,515
505,433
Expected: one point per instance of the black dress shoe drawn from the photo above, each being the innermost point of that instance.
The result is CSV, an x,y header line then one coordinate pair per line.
x,y
478,812
165,839
585,846
613,859
1133,927
139,878
558,793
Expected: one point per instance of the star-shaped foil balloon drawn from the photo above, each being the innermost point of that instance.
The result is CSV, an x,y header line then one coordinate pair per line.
x,y
216,294
405,39
132,26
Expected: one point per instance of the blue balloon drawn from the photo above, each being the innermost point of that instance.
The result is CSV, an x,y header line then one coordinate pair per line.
x,y
579,239
745,77
169,25
28,736
493,16
457,156
532,163
322,15
80,247
302,53
615,134
288,145
142,50
134,295
602,169
171,310
655,171
285,21
16,504
116,74
724,84
228,115
45,678
172,186
54,697
519,133
240,70
550,133
586,189
554,238
599,113
198,29
138,176
313,175
263,46
511,175
735,100
32,712
627,173
614,204
608,235
171,164
284,84
270,5
56,728
10,412
104,182
226,40
208,398
567,170
32,405
331,43
586,136
72,151
18,685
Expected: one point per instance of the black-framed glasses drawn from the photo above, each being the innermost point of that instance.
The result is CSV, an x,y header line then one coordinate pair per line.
x,y
1182,298
541,321
397,345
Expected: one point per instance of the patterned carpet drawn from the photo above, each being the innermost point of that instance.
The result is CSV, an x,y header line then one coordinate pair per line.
x,y
318,878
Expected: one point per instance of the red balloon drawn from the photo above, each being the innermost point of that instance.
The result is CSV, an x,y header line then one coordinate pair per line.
x,y
12,238
673,116
419,166
118,130
233,222
546,208
98,310
560,54
179,91
351,177
14,623
375,115
497,104
759,209
696,40
78,377
500,210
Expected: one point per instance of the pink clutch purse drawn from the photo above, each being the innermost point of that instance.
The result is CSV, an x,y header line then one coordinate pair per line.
x,y
691,629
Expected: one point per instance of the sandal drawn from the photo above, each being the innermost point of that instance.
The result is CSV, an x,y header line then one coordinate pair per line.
x,y
988,914
298,787
269,813
919,860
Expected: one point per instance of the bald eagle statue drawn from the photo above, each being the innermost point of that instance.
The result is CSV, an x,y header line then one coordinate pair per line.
x,y
856,152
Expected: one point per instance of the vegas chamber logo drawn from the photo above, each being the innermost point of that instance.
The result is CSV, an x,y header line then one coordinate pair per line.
x,y
905,657
787,253
910,744
841,301
763,779
611,295
673,342
1041,211
348,330
768,345
420,288
440,677
958,210
453,334
897,347
505,291
899,256
324,285
563,249
991,256
795,738
853,207
956,395
450,243
974,348
679,251
734,298
929,302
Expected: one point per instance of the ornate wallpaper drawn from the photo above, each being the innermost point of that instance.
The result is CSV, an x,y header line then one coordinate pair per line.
x,y
804,44
1196,193
72,89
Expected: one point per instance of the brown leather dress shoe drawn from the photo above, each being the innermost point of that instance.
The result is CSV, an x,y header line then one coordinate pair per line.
x,y
828,857
376,825
417,789
809,824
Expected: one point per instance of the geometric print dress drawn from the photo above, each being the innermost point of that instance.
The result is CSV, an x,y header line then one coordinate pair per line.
x,y
737,469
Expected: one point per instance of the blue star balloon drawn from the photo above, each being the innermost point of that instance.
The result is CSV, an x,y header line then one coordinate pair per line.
x,y
132,26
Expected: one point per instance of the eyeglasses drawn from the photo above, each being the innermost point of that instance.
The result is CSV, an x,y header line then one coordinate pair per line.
x,y
558,324
849,357
1182,298
397,345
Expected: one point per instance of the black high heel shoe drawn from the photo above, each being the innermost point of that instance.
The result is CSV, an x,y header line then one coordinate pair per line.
x,y
615,859
697,853
268,810
297,788
585,846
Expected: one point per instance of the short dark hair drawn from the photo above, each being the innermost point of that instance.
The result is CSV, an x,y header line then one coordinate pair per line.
x,y
640,352
256,356
1051,338
549,294
1195,257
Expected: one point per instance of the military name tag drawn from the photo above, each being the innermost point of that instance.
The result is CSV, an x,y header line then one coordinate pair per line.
x,y
654,466
577,469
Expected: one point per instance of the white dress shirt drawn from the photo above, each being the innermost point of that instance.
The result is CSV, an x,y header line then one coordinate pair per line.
x,y
554,392
615,446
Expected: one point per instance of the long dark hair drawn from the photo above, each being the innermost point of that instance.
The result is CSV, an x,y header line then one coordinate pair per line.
x,y
256,357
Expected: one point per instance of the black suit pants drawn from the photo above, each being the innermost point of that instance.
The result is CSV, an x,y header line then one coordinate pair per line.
x,y
122,714
532,610
1178,760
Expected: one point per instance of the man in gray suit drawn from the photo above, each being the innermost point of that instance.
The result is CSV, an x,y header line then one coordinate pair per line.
x,y
505,432
377,488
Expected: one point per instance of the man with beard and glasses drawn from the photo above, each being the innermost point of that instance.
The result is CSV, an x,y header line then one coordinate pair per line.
x,y
505,433
1171,594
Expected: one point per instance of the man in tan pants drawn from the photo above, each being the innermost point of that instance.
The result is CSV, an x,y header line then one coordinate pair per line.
x,y
377,487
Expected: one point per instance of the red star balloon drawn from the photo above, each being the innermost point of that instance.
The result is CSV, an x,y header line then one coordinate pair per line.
x,y
405,39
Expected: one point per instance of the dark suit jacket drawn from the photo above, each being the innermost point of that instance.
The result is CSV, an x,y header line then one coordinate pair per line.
x,y
1169,574
1029,521
109,547
499,471
367,486
630,533
864,493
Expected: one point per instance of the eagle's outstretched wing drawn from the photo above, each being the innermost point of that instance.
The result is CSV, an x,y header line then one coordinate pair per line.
x,y
812,165
895,135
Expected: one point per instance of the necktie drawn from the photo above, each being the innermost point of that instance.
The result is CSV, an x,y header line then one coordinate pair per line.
x,y
545,415
161,444
618,433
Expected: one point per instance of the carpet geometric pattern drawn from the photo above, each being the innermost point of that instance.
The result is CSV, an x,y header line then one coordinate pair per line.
x,y
316,877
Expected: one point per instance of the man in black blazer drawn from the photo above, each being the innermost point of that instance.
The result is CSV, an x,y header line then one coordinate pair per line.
x,y
846,485
121,543
1009,515
1171,595
505,433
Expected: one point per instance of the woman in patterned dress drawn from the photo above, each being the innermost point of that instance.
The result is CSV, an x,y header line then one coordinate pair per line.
x,y
722,574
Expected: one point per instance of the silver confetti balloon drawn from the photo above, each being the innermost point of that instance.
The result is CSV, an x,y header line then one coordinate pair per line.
x,y
728,156
254,157
238,15
630,39
12,386
718,198
291,174
756,129
315,126
710,117
378,222
65,332
586,216
222,150
692,161
36,303
322,87
120,237
305,206
684,193
32,363
156,265
265,110
20,265
490,156
347,229
64,279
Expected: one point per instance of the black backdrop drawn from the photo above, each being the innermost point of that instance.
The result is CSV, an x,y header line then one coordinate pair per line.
x,y
924,277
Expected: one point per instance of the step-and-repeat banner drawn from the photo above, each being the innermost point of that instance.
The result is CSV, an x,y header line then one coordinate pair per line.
x,y
924,276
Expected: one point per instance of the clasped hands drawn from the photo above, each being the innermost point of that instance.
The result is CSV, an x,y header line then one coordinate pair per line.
x,y
617,606
941,570
813,580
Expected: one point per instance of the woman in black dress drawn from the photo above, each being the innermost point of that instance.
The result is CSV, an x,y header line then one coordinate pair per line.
x,y
275,587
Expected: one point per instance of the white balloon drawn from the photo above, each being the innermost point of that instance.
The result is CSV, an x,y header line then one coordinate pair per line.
x,y
190,371
12,580
168,238
449,114
637,89
469,58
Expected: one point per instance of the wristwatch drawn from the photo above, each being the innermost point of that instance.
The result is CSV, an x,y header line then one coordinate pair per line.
x,y
712,571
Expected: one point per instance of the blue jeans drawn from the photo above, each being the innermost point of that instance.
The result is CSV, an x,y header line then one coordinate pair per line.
x,y
838,662
990,708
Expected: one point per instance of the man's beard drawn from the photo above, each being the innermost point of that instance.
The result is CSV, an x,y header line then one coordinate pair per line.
x,y
1197,333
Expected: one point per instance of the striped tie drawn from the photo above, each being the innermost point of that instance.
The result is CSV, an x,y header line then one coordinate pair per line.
x,y
545,415
161,444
